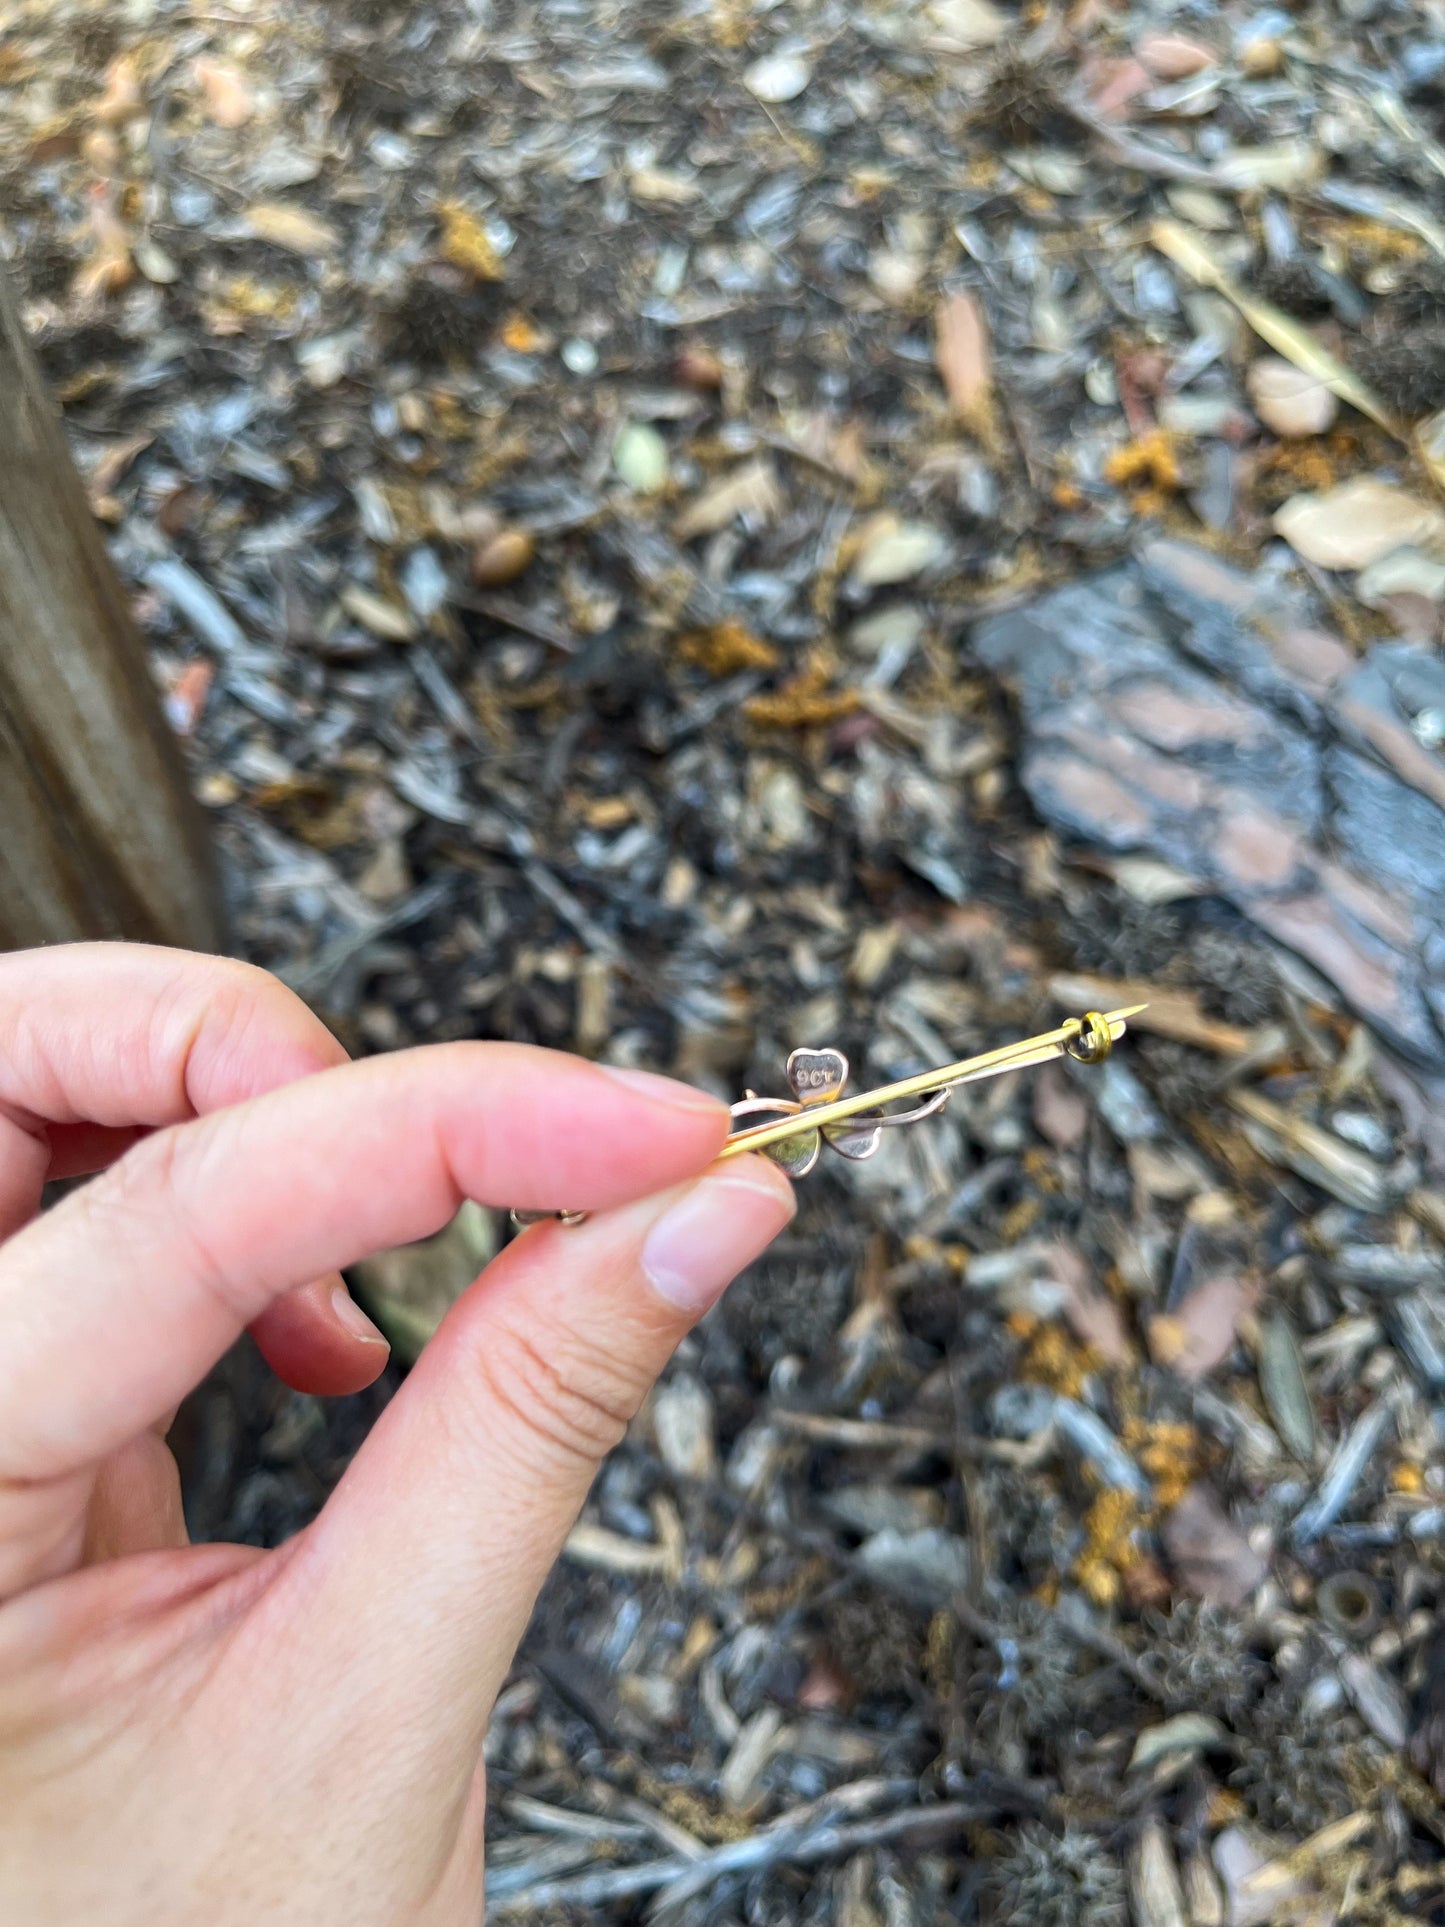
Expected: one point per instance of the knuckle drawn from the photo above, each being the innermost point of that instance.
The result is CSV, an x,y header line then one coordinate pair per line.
x,y
149,1196
567,1396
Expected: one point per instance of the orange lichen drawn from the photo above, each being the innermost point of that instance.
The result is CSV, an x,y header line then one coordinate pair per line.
x,y
1148,463
1019,1220
1407,1478
804,701
1113,1526
1057,1361
726,648
522,335
466,243
1170,1454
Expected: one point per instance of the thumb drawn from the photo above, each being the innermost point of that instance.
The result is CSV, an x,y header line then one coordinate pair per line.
x,y
433,1548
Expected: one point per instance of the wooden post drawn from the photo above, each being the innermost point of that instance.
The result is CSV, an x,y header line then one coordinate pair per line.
x,y
99,833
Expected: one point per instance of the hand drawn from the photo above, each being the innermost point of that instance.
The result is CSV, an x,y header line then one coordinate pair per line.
x,y
222,1735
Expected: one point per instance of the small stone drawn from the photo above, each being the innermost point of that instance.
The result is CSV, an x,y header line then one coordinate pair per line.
x,y
895,275
1261,58
502,558
1402,572
154,263
387,878
969,23
640,457
1173,56
580,357
1359,522
1257,1889
375,613
1288,400
782,808
1201,208
1020,1411
777,77
424,583
683,1419
1200,415
928,1567
900,626
874,1508
895,551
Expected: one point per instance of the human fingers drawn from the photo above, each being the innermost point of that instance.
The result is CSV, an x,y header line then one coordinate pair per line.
x,y
425,1563
124,1295
102,1043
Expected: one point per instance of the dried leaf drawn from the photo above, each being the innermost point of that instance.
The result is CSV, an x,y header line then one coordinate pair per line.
x,y
1209,1553
961,345
1189,251
1325,1160
1283,1385
1093,1316
750,491
109,268
1201,1333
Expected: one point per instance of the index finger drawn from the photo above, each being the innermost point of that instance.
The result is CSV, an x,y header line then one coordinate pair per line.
x,y
113,1305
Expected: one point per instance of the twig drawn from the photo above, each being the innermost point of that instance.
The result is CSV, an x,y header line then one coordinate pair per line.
x,y
876,1433
1072,1618
788,1845
515,615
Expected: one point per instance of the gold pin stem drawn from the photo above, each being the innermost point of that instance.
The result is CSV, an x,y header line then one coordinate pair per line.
x,y
1025,1055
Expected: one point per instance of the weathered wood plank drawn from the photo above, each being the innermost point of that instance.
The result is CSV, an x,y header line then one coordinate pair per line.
x,y
99,834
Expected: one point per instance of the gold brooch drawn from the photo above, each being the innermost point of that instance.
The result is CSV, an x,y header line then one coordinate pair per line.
x,y
793,1130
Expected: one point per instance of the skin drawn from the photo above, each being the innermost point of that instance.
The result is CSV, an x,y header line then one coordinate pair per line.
x,y
221,1734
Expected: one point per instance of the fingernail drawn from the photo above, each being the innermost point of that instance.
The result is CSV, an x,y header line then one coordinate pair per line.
x,y
663,1090
701,1243
350,1314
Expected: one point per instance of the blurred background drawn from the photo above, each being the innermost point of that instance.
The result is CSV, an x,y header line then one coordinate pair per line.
x,y
680,530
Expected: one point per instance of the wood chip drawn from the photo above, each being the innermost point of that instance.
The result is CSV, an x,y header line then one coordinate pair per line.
x,y
293,228
961,346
